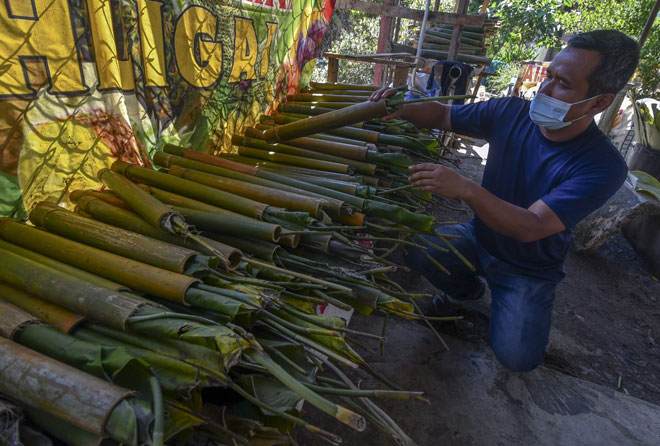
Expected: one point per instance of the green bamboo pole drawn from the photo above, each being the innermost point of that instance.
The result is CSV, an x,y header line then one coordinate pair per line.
x,y
295,160
335,119
263,194
150,209
279,167
351,151
209,195
235,170
76,295
338,92
359,166
66,393
211,217
121,218
60,318
63,267
136,275
331,105
311,97
335,86
116,240
303,109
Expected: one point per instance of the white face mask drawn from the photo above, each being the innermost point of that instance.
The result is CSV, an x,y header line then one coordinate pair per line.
x,y
549,112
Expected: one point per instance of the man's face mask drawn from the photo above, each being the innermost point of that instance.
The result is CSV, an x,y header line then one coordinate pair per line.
x,y
549,112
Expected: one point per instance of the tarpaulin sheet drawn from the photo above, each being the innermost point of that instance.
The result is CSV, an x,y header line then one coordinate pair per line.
x,y
87,82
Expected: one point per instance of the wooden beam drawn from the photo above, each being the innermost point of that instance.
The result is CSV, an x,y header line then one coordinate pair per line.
x,y
414,14
333,70
384,36
461,8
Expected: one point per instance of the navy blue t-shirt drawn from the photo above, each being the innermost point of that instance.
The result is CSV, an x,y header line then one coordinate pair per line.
x,y
574,178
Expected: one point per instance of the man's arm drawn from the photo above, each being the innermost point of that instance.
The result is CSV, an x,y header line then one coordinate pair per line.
x,y
425,115
525,225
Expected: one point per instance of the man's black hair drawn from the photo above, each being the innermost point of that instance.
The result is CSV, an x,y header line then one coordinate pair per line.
x,y
619,55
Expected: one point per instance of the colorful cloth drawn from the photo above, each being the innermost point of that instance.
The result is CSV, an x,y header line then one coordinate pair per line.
x,y
86,82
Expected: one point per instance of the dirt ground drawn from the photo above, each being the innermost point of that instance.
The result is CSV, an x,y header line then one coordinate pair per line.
x,y
606,316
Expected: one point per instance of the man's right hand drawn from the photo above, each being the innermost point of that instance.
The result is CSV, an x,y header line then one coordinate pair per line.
x,y
384,93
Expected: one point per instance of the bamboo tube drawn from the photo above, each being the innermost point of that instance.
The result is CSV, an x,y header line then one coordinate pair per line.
x,y
358,153
357,219
76,295
47,261
321,136
242,226
442,55
331,105
310,97
260,248
152,210
130,221
212,221
303,109
116,240
167,160
13,319
366,93
177,200
106,196
64,392
358,166
136,275
340,186
209,195
55,315
295,160
205,158
331,86
345,132
297,184
290,240
280,167
335,119
263,194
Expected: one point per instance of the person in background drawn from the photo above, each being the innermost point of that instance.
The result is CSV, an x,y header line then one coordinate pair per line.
x,y
548,167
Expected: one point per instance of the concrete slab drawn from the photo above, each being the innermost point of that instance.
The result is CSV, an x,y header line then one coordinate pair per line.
x,y
475,401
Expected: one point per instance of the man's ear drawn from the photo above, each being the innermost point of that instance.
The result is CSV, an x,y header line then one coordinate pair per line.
x,y
600,104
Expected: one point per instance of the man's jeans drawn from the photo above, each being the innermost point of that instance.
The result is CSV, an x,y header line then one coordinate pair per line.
x,y
521,304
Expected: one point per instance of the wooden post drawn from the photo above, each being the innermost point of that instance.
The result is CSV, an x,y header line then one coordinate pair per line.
x,y
333,69
400,76
461,9
383,44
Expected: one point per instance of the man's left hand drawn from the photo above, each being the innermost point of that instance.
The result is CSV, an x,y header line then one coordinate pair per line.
x,y
440,180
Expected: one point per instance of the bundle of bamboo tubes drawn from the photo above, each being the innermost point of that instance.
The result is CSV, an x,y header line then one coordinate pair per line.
x,y
472,44
182,302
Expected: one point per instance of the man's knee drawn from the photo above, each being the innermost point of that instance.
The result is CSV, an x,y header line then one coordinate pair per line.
x,y
518,358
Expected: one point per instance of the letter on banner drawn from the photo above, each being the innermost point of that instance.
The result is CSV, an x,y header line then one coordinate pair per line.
x,y
151,40
38,30
265,54
196,28
245,50
113,72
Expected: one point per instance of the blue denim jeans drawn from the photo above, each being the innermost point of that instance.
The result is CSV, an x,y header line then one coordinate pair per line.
x,y
521,302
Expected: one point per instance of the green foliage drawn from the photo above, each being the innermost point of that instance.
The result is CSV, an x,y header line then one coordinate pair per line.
x,y
527,25
350,33
498,85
